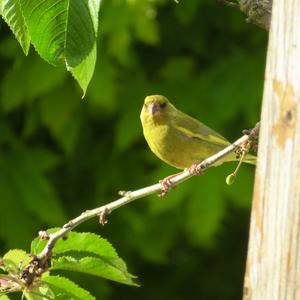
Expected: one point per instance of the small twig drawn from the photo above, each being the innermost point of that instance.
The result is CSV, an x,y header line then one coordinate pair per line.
x,y
240,163
230,3
102,212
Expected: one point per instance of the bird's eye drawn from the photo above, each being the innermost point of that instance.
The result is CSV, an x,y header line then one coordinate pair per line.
x,y
163,105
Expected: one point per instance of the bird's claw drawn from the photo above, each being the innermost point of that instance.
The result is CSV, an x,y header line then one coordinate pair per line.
x,y
103,216
167,184
197,169
166,187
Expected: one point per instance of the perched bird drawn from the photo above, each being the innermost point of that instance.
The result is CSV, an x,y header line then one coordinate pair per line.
x,y
178,139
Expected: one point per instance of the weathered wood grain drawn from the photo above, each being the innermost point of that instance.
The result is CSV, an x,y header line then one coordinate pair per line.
x,y
273,262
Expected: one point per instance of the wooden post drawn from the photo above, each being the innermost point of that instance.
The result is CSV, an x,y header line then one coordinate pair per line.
x,y
273,262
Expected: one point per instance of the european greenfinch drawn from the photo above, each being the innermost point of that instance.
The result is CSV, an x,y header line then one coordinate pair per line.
x,y
178,139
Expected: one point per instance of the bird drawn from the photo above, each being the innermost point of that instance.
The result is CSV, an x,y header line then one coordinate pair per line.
x,y
177,138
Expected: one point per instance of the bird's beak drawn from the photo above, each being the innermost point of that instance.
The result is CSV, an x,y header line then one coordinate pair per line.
x,y
152,108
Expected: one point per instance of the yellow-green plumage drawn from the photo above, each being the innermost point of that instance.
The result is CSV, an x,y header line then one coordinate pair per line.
x,y
178,139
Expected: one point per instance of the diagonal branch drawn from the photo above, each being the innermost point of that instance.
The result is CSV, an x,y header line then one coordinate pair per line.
x,y
40,261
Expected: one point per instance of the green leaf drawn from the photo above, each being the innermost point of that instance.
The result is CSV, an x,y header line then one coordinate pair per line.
x,y
63,32
57,287
15,261
12,14
112,269
4,297
87,253
78,241
84,71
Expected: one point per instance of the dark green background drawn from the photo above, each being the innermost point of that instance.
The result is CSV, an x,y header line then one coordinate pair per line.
x,y
60,155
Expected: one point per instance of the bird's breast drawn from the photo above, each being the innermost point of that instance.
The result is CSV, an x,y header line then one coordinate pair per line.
x,y
169,145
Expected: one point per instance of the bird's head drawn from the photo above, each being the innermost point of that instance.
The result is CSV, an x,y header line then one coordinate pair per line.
x,y
157,105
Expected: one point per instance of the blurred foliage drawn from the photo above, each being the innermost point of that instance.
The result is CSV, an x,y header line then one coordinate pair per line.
x,y
64,32
60,155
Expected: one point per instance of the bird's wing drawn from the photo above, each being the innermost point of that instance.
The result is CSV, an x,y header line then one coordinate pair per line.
x,y
193,128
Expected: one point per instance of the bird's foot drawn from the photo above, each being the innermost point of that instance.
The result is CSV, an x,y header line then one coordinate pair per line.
x,y
167,184
197,169
103,216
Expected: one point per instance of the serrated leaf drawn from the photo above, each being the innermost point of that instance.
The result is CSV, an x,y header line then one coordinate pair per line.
x,y
57,287
112,269
12,14
63,32
15,260
84,71
88,253
41,293
78,241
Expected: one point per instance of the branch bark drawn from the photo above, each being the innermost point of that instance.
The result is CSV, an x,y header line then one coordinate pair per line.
x,y
258,11
273,262
41,259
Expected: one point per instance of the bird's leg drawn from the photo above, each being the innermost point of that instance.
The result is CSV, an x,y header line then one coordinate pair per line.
x,y
102,216
167,184
197,169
